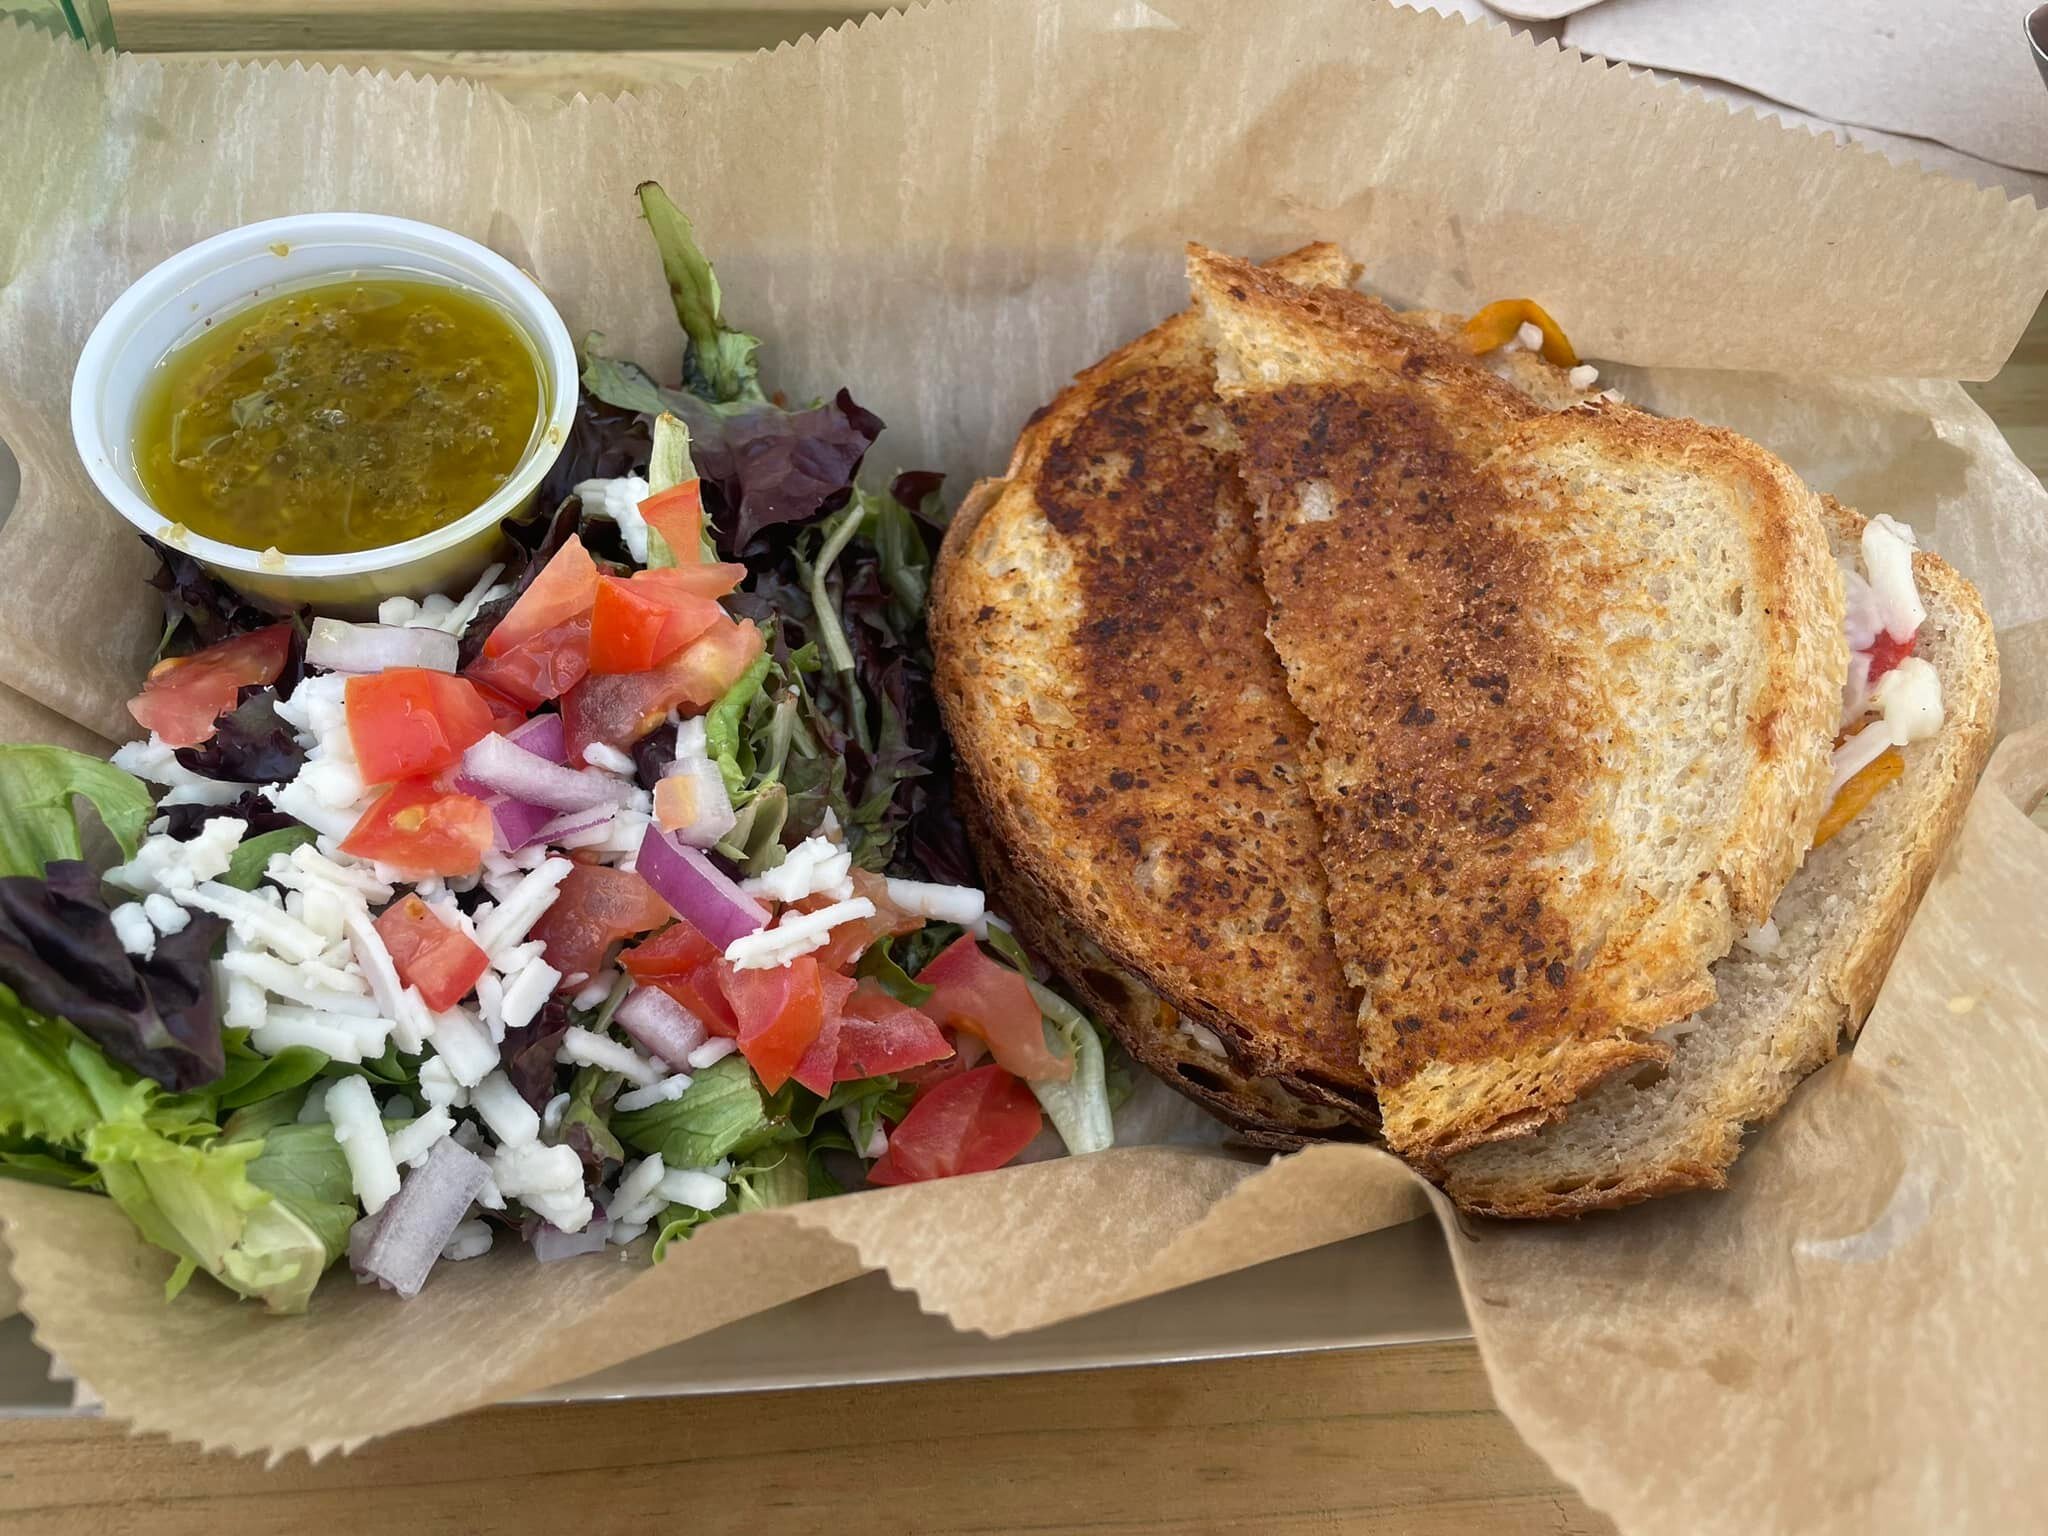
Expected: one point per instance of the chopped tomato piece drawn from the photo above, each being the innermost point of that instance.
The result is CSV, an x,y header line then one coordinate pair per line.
x,y
594,908
691,610
506,714
625,628
677,514
421,829
639,623
967,1124
878,1035
618,710
566,587
780,1009
849,941
1887,651
817,1070
680,961
973,993
706,581
408,722
442,961
185,695
541,667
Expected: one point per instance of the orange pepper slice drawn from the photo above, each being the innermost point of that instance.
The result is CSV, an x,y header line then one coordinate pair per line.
x,y
1496,325
1859,792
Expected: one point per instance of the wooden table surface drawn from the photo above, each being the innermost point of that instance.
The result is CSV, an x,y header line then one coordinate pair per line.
x,y
1398,1439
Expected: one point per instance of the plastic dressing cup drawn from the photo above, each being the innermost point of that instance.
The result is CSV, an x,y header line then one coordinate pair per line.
x,y
217,278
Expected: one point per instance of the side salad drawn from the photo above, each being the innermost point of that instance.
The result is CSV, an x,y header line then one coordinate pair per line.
x,y
622,891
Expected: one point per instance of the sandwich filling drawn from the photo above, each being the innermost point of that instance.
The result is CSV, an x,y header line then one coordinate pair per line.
x,y
1885,678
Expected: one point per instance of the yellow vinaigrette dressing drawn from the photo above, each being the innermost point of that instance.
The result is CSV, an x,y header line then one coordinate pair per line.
x,y
340,418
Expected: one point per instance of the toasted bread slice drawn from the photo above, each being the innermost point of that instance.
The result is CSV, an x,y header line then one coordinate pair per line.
x,y
1124,732
1573,678
1262,1111
1778,1017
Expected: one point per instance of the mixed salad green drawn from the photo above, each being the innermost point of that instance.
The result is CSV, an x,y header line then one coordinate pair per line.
x,y
624,891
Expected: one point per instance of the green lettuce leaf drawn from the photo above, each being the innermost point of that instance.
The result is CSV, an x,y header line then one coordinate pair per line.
x,y
668,462
782,1179
878,961
720,364
251,1077
40,1095
195,1198
247,863
35,1164
620,383
679,1221
305,1171
1079,1108
872,1099
723,1113
585,1125
723,721
38,816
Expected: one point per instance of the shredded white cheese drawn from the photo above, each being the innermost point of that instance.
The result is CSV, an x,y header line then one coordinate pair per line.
x,y
618,500
411,1143
132,928
711,1052
961,904
528,992
359,1128
699,1188
471,1239
461,1041
1909,698
814,867
512,1121
669,1088
547,1180
593,1050
610,759
521,907
797,933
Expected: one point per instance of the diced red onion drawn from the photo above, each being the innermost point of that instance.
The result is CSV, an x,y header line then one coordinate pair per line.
x,y
697,889
571,822
661,1026
501,764
543,737
360,1236
343,647
550,1242
416,1224
519,822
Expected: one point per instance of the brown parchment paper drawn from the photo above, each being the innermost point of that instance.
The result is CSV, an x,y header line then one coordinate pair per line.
x,y
950,211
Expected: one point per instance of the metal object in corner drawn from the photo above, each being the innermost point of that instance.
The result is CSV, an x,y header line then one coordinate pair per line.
x,y
2037,38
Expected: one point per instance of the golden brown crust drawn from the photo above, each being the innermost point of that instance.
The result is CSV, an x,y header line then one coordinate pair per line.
x,y
1263,1111
1859,894
1468,594
1127,734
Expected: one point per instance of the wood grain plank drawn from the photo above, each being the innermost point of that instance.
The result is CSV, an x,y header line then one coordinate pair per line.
x,y
519,73
292,26
1396,1439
